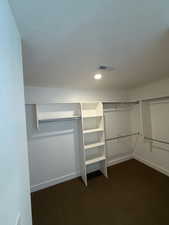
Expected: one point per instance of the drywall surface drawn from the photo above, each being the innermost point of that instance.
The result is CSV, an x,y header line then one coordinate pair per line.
x,y
154,89
50,95
65,42
156,155
14,176
54,148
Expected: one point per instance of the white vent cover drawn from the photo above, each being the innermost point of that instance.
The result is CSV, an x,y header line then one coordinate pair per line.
x,y
106,68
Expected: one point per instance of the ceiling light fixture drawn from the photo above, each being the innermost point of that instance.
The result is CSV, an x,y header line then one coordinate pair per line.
x,y
98,76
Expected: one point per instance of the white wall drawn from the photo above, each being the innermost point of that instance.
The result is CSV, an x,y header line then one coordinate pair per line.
x,y
49,95
158,156
55,158
14,177
154,89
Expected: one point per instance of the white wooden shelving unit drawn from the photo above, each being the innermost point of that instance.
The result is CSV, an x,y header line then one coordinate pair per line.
x,y
56,111
92,135
93,139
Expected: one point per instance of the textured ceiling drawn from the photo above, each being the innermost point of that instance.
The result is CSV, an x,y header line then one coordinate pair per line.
x,y
65,41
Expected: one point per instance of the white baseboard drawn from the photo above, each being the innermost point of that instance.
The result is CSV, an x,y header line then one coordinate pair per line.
x,y
71,176
151,164
54,181
120,159
112,162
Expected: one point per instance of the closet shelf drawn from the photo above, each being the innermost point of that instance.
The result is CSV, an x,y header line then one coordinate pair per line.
x,y
91,116
93,131
95,160
93,144
98,144
53,118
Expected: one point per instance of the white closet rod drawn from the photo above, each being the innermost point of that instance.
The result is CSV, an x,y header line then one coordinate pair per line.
x,y
122,102
156,140
122,136
160,102
119,106
117,109
155,99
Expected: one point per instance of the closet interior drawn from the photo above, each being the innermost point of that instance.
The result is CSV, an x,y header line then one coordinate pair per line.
x,y
103,132
99,127
154,125
84,115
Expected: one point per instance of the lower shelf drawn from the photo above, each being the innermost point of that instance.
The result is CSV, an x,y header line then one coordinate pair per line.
x,y
95,160
93,131
94,145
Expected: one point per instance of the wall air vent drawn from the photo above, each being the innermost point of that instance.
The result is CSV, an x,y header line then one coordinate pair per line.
x,y
106,68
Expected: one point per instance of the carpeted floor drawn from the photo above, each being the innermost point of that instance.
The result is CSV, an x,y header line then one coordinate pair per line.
x,y
134,194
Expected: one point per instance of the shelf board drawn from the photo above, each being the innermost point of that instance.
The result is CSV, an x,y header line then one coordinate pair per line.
x,y
95,160
94,145
49,119
93,131
91,116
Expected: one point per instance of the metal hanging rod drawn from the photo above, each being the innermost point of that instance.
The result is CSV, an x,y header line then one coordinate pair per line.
x,y
155,99
156,140
121,102
122,136
117,109
160,102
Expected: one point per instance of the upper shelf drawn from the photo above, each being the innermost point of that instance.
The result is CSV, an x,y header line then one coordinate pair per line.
x,y
46,117
58,111
90,110
91,116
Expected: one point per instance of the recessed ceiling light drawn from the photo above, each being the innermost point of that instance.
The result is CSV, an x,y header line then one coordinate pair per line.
x,y
98,76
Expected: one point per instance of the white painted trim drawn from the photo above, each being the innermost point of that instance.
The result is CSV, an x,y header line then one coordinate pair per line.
x,y
151,164
120,160
54,181
18,219
71,176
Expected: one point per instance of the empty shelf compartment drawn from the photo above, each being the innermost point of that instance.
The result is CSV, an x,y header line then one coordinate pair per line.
x,y
95,160
93,130
50,117
91,109
94,145
56,111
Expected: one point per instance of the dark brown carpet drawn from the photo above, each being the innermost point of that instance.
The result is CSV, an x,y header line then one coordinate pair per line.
x,y
134,194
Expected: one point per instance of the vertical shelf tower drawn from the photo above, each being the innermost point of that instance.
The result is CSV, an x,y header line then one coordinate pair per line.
x,y
93,138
